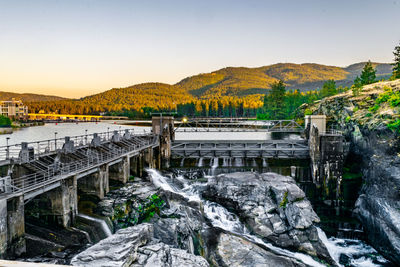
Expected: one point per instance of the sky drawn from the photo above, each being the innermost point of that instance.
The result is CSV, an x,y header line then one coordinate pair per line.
x,y
76,48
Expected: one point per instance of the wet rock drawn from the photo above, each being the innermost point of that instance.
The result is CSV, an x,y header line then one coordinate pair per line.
x,y
135,246
273,207
161,254
117,250
236,251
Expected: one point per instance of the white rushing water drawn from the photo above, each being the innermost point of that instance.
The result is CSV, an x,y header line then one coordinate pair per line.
x,y
358,253
103,225
220,217
200,163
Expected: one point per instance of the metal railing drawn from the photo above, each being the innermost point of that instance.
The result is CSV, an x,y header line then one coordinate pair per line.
x,y
239,126
82,160
52,145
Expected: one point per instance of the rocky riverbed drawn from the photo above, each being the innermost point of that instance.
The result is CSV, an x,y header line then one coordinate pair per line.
x,y
236,219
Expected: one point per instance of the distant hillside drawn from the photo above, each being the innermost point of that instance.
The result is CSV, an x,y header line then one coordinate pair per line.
x,y
244,81
225,89
157,95
28,97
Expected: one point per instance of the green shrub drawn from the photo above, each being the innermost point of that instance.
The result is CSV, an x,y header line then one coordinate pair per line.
x,y
284,201
348,118
368,114
4,121
308,112
374,108
395,126
355,109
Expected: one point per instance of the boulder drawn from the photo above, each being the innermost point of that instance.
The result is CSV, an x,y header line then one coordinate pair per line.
x,y
272,206
135,246
235,251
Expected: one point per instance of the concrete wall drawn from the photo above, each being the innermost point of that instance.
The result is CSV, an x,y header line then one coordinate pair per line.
x,y
60,205
327,159
15,226
120,171
96,183
3,227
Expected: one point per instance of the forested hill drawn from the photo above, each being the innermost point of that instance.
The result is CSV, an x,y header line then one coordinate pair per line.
x,y
160,96
28,97
245,81
237,91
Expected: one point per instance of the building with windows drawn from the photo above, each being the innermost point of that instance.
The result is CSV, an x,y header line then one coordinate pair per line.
x,y
13,109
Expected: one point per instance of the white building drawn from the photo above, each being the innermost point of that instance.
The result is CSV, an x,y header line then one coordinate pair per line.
x,y
13,109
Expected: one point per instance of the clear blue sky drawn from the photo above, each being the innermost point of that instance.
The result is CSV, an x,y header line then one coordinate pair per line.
x,y
75,48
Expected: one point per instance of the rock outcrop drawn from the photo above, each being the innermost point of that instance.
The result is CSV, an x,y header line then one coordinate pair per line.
x,y
364,123
272,206
136,246
235,251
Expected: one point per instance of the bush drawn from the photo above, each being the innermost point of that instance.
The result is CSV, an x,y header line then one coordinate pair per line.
x,y
308,112
284,201
348,118
374,108
4,121
395,126
356,90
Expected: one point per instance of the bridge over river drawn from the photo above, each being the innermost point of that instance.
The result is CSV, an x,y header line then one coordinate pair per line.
x,y
55,170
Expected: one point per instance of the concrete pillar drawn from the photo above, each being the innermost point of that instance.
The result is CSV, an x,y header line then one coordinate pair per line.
x,y
140,165
96,183
149,158
134,165
3,228
163,126
120,171
12,227
60,205
318,120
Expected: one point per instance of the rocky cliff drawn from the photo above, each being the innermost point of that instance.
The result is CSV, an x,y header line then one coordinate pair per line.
x,y
369,119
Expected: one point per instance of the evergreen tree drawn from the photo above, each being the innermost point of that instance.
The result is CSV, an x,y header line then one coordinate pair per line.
x,y
368,74
396,64
275,101
328,89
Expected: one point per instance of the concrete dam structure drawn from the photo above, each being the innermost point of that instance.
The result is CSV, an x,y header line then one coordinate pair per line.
x,y
55,171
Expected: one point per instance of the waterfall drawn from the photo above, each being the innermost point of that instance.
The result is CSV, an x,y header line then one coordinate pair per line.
x,y
225,162
238,162
214,166
253,163
220,217
200,163
182,162
101,223
358,252
264,163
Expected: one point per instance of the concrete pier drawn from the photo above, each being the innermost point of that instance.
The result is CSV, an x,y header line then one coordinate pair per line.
x,y
12,227
97,183
120,171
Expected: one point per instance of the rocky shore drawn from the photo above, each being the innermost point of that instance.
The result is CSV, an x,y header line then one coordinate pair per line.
x,y
364,121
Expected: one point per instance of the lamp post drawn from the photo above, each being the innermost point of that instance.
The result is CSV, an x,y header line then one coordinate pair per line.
x,y
108,133
86,137
8,149
55,140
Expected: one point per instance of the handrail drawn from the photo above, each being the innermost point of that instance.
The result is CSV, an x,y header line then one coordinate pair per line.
x,y
29,182
52,145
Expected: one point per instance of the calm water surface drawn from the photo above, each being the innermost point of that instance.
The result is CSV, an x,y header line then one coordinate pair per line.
x,y
47,131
